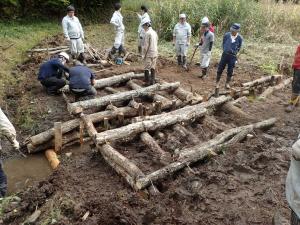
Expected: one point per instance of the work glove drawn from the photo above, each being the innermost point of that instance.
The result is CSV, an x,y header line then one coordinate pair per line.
x,y
16,144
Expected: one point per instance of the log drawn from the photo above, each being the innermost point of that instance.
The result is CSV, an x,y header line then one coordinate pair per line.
x,y
89,126
240,100
214,124
47,49
269,91
57,136
229,108
58,51
52,158
122,96
163,156
111,90
262,80
192,138
196,153
111,81
187,96
128,132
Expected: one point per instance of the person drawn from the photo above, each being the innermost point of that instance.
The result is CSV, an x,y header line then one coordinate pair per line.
x,y
81,80
205,20
206,42
181,40
296,83
150,52
292,187
8,131
51,72
141,32
73,33
232,43
117,21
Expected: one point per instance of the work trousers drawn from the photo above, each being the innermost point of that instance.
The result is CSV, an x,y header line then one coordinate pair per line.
x,y
3,182
296,82
84,92
76,46
229,60
181,49
53,84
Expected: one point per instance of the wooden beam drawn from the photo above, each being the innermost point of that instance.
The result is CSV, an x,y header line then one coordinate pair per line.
x,y
58,136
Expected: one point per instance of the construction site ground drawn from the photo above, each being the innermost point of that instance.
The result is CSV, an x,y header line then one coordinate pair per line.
x,y
244,185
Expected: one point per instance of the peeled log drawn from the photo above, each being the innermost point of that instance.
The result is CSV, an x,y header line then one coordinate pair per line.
x,y
269,91
52,158
111,81
262,80
122,96
130,131
196,153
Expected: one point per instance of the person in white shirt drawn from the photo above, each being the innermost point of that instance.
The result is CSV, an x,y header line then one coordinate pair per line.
x,y
141,32
117,21
73,33
150,52
181,39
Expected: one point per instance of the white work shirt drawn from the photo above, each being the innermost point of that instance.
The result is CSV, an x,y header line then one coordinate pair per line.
x,y
142,17
72,27
117,21
181,32
150,43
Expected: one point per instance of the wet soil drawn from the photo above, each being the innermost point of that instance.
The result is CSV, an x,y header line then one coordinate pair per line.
x,y
244,185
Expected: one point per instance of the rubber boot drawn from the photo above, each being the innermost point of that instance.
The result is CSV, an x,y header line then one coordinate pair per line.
x,y
82,58
140,50
204,73
122,50
293,103
112,52
179,62
184,62
216,94
147,77
227,84
152,77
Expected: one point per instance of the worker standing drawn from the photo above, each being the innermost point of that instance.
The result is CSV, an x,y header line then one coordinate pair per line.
x,y
296,83
181,40
141,32
73,33
232,43
292,184
206,43
51,73
8,131
117,21
150,52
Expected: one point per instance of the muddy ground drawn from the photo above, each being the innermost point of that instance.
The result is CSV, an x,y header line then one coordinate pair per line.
x,y
244,185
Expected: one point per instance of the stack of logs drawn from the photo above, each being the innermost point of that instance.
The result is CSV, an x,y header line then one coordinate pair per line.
x,y
136,119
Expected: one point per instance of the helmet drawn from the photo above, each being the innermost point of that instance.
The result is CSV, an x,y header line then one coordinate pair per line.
x,y
146,21
64,55
70,8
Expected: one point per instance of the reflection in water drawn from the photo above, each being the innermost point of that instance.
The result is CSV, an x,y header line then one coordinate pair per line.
x,y
22,172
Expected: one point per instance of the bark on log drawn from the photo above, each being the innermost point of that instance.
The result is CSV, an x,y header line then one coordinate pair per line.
x,y
111,90
127,132
196,153
192,138
163,156
240,100
269,91
214,124
262,80
111,81
47,49
229,108
187,96
89,126
123,96
57,136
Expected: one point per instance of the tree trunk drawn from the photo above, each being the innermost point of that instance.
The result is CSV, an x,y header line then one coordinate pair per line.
x,y
111,81
261,80
269,91
122,96
197,153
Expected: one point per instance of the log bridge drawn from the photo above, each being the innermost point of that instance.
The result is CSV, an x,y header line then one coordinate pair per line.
x,y
140,111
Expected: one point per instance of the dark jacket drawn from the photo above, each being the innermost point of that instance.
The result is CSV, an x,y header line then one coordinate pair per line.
x,y
53,67
230,47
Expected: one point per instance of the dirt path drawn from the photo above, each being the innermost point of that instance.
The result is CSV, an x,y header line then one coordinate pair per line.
x,y
245,185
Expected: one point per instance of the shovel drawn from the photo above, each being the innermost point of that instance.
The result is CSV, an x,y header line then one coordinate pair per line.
x,y
191,60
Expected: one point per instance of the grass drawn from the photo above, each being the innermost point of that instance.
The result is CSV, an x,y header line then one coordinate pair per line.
x,y
15,39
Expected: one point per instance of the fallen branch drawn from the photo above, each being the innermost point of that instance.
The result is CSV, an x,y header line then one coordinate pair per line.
x,y
269,91
48,49
262,80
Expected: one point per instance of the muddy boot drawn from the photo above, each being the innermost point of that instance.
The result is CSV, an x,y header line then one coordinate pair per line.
x,y
112,52
292,103
147,77
184,65
122,50
179,62
204,73
82,58
227,85
217,88
140,50
152,77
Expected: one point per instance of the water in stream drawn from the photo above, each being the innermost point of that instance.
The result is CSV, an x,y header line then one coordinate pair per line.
x,y
23,172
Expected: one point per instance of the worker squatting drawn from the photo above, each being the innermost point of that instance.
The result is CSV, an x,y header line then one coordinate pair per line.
x,y
81,79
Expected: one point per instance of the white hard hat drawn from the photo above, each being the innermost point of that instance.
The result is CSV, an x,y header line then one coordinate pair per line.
x,y
296,150
182,15
205,20
145,20
65,55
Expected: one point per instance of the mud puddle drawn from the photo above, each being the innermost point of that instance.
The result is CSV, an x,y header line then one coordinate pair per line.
x,y
23,172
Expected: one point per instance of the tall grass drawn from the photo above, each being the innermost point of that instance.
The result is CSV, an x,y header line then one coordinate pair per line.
x,y
259,20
